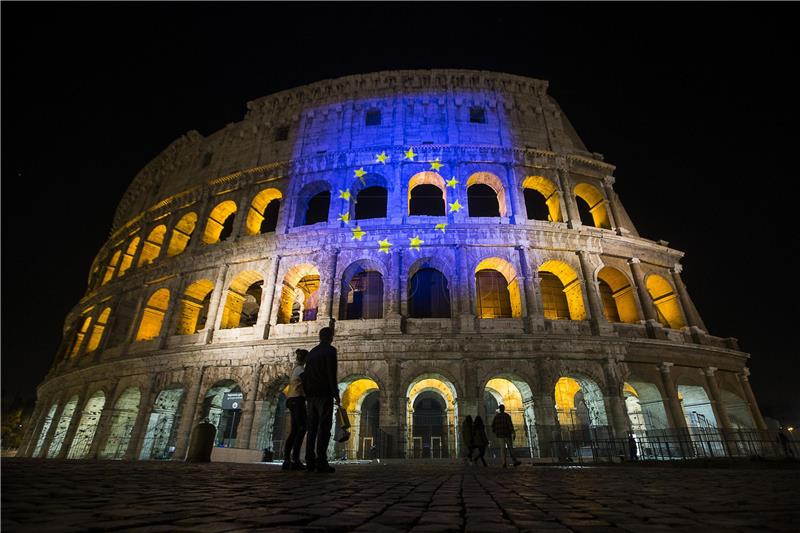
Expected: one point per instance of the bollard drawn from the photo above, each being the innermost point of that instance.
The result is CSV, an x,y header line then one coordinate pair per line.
x,y
201,443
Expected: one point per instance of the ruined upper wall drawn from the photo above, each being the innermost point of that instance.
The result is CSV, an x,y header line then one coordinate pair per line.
x,y
417,107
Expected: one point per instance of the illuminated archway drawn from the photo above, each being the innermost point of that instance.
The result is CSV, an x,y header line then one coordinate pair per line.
x,y
127,258
432,429
243,301
87,426
274,419
80,334
426,199
360,398
64,422
517,397
225,420
46,423
362,291
263,214
666,302
299,295
486,195
579,403
161,433
738,410
595,204
220,222
182,234
194,307
98,329
111,268
562,286
616,293
122,421
153,315
151,248
542,199
497,289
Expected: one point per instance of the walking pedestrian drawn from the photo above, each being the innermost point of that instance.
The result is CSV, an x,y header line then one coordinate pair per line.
x,y
503,428
479,440
466,437
296,403
632,446
322,391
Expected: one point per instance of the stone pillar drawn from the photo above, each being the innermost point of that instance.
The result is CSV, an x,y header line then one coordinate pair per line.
x,y
689,311
608,183
142,417
196,238
530,283
216,304
48,439
548,430
244,432
326,304
466,317
242,210
597,318
189,413
573,217
170,315
648,307
103,428
718,408
744,381
268,296
392,413
394,282
34,428
674,409
615,402
73,424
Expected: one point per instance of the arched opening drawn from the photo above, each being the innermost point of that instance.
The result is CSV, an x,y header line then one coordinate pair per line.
x,y
361,399
318,208
579,404
432,418
127,258
591,206
87,426
299,295
182,234
243,301
648,419
562,297
111,268
220,222
700,420
80,334
222,414
98,329
517,398
486,195
274,420
427,194
193,311
738,410
497,288
313,204
362,292
152,245
542,199
63,426
46,423
263,214
122,421
371,203
665,301
124,318
428,294
616,293
162,425
153,315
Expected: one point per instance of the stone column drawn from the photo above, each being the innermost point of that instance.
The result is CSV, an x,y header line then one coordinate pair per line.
x,y
73,424
142,417
675,413
717,405
48,439
689,311
326,304
648,307
392,413
608,183
465,282
104,423
744,381
243,439
547,427
268,297
170,315
615,401
597,317
394,281
242,210
34,428
196,238
216,303
189,413
573,218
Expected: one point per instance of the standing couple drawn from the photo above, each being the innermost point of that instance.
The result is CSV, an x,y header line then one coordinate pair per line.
x,y
313,389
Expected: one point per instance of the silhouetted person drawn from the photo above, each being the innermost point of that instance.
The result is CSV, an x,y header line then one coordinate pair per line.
x,y
785,444
322,390
479,440
296,403
503,428
466,437
632,446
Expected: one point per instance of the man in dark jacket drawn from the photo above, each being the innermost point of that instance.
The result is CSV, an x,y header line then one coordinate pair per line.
x,y
503,428
322,390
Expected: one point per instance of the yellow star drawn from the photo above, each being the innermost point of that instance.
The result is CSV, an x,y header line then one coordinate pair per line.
x,y
360,173
344,194
440,226
455,206
452,182
358,233
345,217
410,154
381,158
384,246
415,242
436,165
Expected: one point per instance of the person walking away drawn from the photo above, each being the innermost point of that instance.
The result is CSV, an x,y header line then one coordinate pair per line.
x,y
296,403
466,437
479,440
632,446
322,391
503,428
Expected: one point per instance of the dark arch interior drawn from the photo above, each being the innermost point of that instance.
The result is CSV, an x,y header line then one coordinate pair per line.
x,y
536,205
227,227
363,296
426,199
584,211
429,423
318,207
429,296
251,305
270,221
482,201
371,203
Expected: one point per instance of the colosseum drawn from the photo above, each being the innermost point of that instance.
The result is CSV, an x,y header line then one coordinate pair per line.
x,y
468,249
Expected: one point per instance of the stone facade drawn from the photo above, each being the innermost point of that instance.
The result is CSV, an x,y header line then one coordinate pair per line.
x,y
185,303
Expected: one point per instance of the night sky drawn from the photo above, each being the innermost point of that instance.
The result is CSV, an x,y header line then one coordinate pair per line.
x,y
696,105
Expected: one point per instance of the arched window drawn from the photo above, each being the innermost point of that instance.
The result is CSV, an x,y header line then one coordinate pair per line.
x,y
373,117
98,329
427,194
616,292
591,206
371,203
486,195
80,334
318,207
263,214
428,295
182,234
153,315
609,305
127,258
152,245
493,298
362,296
665,301
194,307
220,222
243,301
112,266
299,295
554,300
560,286
542,200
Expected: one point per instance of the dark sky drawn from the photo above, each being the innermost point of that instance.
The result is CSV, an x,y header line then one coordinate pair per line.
x,y
696,105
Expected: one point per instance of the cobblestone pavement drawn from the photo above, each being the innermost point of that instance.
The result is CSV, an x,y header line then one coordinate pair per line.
x,y
149,496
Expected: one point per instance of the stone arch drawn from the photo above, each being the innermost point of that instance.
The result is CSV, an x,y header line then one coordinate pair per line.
x,y
617,295
312,197
362,292
539,189
644,405
153,315
225,420
263,215
151,248
353,391
699,415
580,401
595,204
273,416
494,183
123,419
162,424
219,225
80,335
243,300
516,394
738,410
492,299
564,280
182,234
87,426
47,421
194,305
300,294
98,329
429,294
111,267
127,257
665,301
443,426
64,421
370,198
428,204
